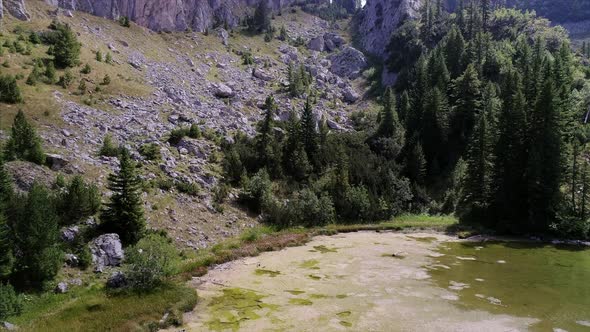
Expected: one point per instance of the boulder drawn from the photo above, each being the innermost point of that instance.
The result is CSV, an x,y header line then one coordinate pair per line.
x,y
106,251
316,44
117,280
56,162
222,33
261,74
69,234
333,125
71,260
221,90
348,63
61,288
194,147
330,46
6,325
350,95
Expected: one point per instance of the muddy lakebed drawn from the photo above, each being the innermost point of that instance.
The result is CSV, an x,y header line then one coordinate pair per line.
x,y
369,281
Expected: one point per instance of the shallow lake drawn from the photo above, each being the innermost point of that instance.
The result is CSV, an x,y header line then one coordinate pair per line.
x,y
370,281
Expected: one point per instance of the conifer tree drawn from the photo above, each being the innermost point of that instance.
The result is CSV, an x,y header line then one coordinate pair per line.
x,y
36,238
124,213
467,91
6,253
474,205
262,17
9,90
434,131
24,143
66,49
405,107
455,52
309,136
437,67
544,163
510,190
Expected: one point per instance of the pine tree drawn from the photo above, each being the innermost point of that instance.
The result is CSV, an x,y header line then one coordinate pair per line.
x,y
455,52
309,136
389,126
124,213
544,164
23,142
6,253
437,67
510,203
434,131
467,91
405,107
9,90
420,89
66,50
36,238
265,128
474,205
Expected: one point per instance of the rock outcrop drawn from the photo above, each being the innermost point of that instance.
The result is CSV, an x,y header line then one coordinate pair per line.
x,y
15,8
106,251
169,15
348,63
379,18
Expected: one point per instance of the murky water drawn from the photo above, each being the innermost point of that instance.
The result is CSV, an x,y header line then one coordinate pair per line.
x,y
545,282
394,282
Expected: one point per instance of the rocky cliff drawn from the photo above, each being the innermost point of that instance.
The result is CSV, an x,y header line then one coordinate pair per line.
x,y
158,15
378,19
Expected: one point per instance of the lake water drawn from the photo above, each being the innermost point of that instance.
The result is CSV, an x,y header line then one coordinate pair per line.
x,y
370,281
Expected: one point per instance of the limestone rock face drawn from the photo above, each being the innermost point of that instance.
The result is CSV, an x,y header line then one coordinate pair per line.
x,y
169,15
379,18
15,8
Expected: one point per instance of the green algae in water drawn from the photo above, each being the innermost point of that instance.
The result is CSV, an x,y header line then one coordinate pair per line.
x,y
324,250
310,264
345,323
300,302
314,277
270,273
344,314
537,280
318,296
295,291
235,306
422,239
341,296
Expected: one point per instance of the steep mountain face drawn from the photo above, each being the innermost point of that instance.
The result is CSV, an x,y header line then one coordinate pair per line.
x,y
15,8
158,15
379,18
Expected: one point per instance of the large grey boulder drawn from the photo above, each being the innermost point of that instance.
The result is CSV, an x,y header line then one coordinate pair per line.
x,y
6,325
117,280
106,251
221,90
348,63
317,44
61,288
56,162
69,234
261,74
350,95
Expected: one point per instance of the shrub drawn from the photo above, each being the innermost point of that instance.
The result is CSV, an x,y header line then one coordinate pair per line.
x,y
194,131
177,134
149,261
247,58
189,188
124,21
9,90
78,201
24,143
357,206
10,302
106,80
86,70
150,151
254,191
109,149
66,80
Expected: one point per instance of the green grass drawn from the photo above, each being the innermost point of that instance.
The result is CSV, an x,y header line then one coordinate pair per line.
x,y
93,309
409,221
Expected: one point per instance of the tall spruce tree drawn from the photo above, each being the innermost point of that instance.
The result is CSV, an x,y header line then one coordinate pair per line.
x,y
510,192
6,251
467,92
35,232
544,163
309,136
264,137
455,52
66,49
124,213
